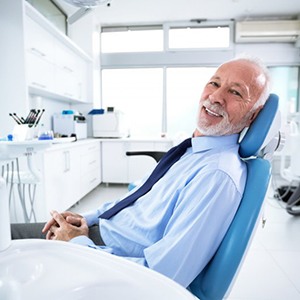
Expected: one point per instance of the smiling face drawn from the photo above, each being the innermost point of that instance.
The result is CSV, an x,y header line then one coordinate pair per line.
x,y
227,99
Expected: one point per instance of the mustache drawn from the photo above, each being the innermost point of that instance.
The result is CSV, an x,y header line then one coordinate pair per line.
x,y
217,108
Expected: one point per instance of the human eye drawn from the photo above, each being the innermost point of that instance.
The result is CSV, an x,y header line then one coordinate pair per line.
x,y
214,83
236,93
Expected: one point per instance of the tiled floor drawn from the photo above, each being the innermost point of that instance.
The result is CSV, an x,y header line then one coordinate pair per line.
x,y
271,270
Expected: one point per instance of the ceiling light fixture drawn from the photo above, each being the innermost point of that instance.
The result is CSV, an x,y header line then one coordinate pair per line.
x,y
87,3
86,6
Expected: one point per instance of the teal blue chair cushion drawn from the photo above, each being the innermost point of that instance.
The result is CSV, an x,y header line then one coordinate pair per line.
x,y
217,277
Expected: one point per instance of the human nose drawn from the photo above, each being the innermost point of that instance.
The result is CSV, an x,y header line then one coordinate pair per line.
x,y
217,96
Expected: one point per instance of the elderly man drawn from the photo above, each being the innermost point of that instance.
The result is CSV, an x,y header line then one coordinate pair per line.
x,y
176,225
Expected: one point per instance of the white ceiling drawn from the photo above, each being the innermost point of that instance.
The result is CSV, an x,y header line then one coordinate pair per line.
x,y
158,11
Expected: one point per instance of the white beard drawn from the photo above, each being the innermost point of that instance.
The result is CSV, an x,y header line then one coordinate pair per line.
x,y
224,127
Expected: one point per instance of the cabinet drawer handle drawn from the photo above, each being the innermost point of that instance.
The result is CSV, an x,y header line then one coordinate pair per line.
x,y
68,69
68,94
93,162
39,85
37,52
67,166
93,180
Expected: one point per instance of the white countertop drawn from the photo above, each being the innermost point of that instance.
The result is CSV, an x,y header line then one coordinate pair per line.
x,y
66,142
134,139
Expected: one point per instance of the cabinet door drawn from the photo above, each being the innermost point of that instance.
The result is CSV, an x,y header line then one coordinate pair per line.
x,y
114,162
61,178
39,56
119,168
38,40
90,172
71,73
65,83
82,80
54,65
40,73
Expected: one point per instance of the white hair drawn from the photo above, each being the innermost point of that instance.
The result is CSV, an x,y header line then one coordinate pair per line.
x,y
260,64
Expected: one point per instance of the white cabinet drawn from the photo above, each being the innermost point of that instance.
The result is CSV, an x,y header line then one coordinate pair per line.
x,y
38,40
119,168
40,75
90,170
71,73
69,173
114,162
28,64
54,65
61,178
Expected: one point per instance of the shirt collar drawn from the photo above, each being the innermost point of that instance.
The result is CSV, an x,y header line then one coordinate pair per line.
x,y
203,143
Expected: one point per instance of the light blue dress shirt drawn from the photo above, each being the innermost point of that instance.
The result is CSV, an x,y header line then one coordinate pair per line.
x,y
177,226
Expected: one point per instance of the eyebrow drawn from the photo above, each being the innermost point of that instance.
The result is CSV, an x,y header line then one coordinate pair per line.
x,y
238,85
216,77
232,83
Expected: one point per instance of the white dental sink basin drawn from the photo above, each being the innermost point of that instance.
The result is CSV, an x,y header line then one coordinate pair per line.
x,y
40,269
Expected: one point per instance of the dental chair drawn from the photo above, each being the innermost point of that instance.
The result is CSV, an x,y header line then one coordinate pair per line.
x,y
256,149
257,146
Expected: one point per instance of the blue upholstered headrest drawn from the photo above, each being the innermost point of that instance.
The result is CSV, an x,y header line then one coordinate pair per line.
x,y
256,134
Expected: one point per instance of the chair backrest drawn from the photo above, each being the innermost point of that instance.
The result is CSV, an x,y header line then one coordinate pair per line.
x,y
216,278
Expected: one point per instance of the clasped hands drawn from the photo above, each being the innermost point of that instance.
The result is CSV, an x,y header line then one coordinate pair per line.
x,y
65,226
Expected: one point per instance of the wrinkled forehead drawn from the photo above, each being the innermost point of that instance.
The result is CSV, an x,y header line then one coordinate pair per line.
x,y
242,73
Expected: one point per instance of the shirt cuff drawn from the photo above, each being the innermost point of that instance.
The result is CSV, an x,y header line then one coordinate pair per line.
x,y
82,240
85,241
92,218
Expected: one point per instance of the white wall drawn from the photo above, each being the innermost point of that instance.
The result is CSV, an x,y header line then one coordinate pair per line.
x,y
271,54
13,97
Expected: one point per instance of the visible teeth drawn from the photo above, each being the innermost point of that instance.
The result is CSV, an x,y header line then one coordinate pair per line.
x,y
212,113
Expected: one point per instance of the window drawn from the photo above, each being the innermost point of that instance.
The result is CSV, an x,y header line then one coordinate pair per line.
x,y
154,96
131,39
138,94
199,38
285,84
184,88
159,92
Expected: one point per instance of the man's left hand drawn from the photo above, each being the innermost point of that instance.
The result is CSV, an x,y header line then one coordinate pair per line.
x,y
64,231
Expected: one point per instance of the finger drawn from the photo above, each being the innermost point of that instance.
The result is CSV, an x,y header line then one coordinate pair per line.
x,y
49,235
47,226
83,222
58,218
84,229
74,220
85,226
52,221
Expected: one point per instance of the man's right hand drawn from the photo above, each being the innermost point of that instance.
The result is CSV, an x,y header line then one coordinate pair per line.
x,y
70,217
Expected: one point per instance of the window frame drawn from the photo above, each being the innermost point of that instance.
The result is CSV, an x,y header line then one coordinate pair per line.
x,y
108,29
198,24
203,57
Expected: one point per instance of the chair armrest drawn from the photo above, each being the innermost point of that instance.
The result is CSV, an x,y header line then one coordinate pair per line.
x,y
157,155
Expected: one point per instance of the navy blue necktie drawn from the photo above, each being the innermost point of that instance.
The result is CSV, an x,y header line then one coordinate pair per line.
x,y
162,167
